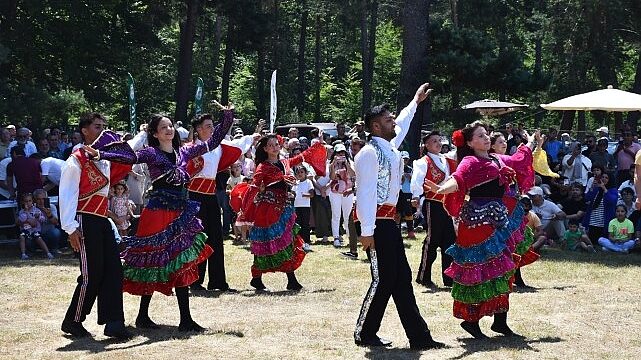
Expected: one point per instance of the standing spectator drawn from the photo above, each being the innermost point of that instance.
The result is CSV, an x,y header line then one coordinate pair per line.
x,y
51,234
51,170
26,172
340,134
64,143
576,167
354,147
292,133
30,219
22,138
552,217
223,201
625,153
590,143
601,203
553,147
359,130
76,138
4,188
5,140
602,157
603,132
404,205
54,145
341,196
304,191
44,150
182,132
12,131
248,163
321,206
566,140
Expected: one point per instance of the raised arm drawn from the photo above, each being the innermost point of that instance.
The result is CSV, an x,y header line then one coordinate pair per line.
x,y
191,151
404,118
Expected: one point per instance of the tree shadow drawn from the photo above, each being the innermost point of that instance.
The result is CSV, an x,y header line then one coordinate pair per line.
x,y
604,258
141,338
392,353
253,293
474,346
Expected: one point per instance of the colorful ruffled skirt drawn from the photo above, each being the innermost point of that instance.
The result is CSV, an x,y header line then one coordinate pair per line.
x,y
168,246
274,238
492,242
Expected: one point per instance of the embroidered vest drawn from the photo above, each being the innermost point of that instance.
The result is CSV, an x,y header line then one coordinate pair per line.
x,y
229,155
91,181
384,173
437,176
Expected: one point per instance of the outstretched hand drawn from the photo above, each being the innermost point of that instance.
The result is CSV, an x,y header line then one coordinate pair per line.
x,y
91,151
432,186
230,106
422,93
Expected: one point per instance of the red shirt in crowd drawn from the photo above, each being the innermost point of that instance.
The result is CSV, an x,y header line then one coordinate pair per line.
x,y
26,171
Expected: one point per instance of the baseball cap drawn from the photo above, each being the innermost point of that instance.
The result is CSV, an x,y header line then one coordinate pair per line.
x,y
360,123
405,155
340,147
535,190
603,129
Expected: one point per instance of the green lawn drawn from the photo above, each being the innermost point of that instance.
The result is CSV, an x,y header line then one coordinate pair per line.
x,y
586,306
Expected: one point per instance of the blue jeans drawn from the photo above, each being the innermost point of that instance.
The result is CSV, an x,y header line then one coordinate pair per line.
x,y
53,238
223,202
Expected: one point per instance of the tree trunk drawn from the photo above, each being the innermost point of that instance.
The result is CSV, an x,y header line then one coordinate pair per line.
x,y
366,84
186,58
317,70
215,55
633,116
227,66
300,96
454,12
261,109
581,127
567,121
414,66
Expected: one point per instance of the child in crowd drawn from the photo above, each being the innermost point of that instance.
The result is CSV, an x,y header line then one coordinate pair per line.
x,y
626,197
621,233
30,220
304,191
597,171
574,238
534,223
235,178
120,208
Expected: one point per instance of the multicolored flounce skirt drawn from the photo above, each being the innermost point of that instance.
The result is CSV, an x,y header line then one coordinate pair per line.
x,y
492,242
274,238
168,246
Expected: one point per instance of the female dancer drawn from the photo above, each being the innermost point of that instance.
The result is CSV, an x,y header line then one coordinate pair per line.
x,y
169,243
274,240
491,241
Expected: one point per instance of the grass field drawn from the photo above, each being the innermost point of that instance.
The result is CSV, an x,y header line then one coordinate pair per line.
x,y
585,306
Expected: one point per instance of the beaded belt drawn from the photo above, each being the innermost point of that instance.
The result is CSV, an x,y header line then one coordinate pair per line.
x,y
491,213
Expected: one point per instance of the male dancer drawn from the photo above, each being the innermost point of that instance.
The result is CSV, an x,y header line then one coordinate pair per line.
x,y
440,229
202,188
84,187
380,236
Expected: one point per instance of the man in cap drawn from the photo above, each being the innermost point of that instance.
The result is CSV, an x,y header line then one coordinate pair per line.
x,y
22,138
551,215
603,132
359,130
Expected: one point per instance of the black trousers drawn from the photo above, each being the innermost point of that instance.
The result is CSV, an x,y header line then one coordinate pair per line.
x,y
302,219
391,277
100,273
440,234
209,215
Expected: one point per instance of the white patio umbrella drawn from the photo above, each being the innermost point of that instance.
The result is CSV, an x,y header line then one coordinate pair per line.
x,y
488,107
609,99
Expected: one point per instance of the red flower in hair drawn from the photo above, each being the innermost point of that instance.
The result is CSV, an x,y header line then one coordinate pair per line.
x,y
457,138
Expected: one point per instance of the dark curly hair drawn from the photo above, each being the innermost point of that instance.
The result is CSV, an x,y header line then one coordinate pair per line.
x,y
468,133
152,128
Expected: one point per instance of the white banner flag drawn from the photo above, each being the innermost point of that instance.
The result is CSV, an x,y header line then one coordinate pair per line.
x,y
272,107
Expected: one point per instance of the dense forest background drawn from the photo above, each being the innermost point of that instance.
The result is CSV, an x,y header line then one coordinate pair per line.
x,y
334,58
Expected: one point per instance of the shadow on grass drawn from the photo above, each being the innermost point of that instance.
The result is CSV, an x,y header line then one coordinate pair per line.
x,y
605,258
392,353
252,293
474,346
142,337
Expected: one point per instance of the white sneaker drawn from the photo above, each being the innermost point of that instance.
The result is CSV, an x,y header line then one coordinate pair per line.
x,y
24,257
338,242
307,248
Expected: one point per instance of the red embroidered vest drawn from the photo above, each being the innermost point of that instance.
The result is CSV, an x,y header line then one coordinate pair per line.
x,y
229,155
437,176
92,180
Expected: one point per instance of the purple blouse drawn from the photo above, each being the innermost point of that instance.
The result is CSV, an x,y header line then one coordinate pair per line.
x,y
159,164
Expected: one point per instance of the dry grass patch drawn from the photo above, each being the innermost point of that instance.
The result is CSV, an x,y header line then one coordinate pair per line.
x,y
585,306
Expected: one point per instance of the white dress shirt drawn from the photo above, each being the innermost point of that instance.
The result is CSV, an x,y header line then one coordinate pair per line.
x,y
70,189
366,167
419,172
212,158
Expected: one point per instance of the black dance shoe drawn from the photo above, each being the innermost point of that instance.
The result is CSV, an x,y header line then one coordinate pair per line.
x,y
118,331
146,323
74,329
191,326
473,329
377,341
426,345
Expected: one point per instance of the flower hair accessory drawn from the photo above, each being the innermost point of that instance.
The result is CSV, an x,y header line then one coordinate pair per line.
x,y
457,138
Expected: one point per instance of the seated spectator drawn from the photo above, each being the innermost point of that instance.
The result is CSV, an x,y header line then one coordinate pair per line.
x,y
559,191
630,182
626,197
575,239
51,170
30,220
576,167
601,157
44,151
5,194
574,205
76,138
534,223
620,233
22,138
51,233
601,203
597,171
552,217
64,142
26,172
